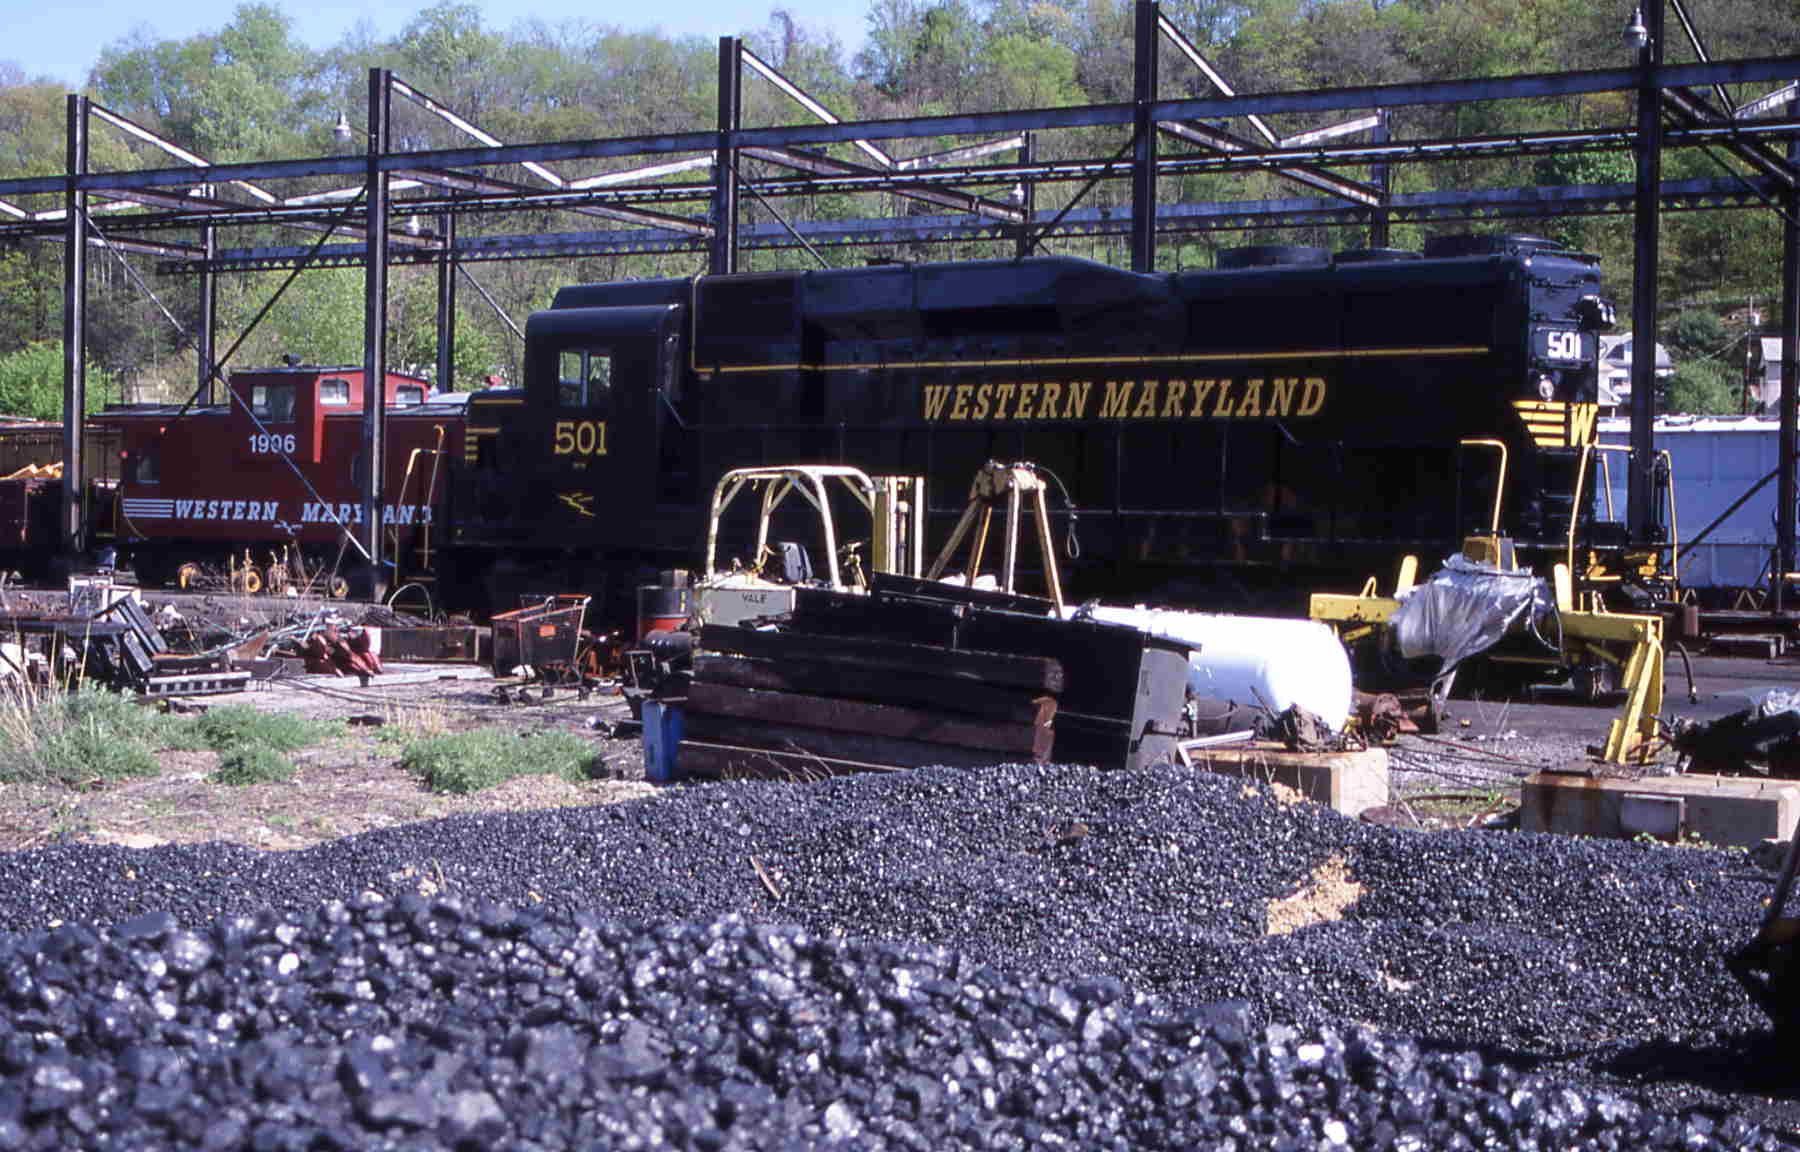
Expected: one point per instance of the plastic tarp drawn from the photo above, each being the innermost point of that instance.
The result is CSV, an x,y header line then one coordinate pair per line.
x,y
1465,608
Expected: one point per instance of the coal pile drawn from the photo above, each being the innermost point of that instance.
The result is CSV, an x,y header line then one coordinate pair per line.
x,y
1587,975
440,1024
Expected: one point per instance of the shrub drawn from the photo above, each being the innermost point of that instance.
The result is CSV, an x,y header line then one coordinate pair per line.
x,y
253,764
465,762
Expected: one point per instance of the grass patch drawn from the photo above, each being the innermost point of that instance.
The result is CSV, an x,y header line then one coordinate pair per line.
x,y
239,725
76,738
464,762
405,725
253,764
253,746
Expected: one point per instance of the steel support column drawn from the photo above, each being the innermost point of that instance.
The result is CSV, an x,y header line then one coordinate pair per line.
x,y
209,317
1641,502
1382,177
375,294
71,529
1146,42
446,304
1785,496
725,177
1027,199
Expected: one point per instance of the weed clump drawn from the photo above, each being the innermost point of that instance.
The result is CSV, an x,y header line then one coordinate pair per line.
x,y
253,764
253,746
464,762
75,738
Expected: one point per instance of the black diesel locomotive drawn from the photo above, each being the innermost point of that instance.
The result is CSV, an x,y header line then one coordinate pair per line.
x,y
1288,420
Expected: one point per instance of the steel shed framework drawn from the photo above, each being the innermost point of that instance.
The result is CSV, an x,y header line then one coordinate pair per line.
x,y
176,213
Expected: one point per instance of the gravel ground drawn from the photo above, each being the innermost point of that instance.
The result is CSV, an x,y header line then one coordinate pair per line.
x,y
1023,956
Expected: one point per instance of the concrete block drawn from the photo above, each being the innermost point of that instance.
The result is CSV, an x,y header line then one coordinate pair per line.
x,y
1726,810
1349,782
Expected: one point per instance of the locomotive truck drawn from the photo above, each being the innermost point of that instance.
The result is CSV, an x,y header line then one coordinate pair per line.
x,y
1287,420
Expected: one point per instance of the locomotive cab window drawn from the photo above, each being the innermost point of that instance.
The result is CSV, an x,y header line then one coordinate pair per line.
x,y
409,395
334,393
273,403
584,377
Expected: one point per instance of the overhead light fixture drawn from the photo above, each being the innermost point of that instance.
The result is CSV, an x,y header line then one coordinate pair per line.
x,y
342,129
1637,36
413,227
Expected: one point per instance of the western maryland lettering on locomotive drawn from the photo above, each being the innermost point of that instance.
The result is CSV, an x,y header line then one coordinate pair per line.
x,y
1286,420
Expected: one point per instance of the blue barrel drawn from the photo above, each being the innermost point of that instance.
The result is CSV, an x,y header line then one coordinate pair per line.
x,y
662,733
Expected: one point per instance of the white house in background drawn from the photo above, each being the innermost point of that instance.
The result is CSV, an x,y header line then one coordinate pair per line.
x,y
1768,376
1615,369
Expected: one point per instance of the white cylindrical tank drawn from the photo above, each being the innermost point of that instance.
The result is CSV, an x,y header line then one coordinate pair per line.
x,y
1253,661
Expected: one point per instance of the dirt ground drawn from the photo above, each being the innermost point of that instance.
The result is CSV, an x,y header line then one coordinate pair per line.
x,y
350,783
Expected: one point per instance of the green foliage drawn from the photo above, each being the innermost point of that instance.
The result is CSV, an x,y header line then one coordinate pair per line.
x,y
251,90
253,746
253,764
72,738
1702,388
31,382
1697,333
464,762
239,725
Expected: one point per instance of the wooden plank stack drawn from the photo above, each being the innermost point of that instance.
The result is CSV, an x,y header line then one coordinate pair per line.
x,y
796,705
916,673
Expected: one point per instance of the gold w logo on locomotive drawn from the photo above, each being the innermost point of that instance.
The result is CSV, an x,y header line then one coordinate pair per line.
x,y
1218,398
1555,424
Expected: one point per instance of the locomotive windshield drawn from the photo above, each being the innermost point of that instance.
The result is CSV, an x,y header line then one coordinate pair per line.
x,y
584,377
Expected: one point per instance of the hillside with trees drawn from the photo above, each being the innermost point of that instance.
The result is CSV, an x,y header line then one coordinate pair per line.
x,y
252,91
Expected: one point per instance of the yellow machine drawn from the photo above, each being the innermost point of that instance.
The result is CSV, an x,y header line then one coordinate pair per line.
x,y
1003,486
1596,646
1769,966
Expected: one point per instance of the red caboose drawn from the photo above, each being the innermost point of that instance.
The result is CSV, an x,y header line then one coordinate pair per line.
x,y
267,487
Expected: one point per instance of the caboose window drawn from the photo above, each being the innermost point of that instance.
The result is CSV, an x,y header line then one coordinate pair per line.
x,y
143,466
273,403
584,377
408,395
334,392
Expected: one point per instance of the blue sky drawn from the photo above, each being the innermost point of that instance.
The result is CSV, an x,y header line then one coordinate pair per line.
x,y
62,41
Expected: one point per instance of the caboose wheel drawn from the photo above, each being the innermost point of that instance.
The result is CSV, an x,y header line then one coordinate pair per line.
x,y
187,576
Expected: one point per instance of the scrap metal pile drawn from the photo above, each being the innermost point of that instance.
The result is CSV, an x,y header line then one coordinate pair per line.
x,y
108,635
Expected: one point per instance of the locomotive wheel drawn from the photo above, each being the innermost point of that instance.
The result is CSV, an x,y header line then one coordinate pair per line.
x,y
337,587
246,582
187,576
275,578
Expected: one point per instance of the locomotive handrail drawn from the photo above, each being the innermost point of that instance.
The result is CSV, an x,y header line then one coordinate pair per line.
x,y
1668,494
1499,484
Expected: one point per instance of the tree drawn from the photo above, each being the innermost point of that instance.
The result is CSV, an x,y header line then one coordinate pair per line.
x,y
1702,388
1697,334
31,382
